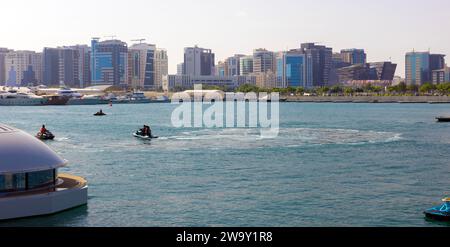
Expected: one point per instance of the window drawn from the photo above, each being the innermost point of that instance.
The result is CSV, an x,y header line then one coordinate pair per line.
x,y
12,182
41,178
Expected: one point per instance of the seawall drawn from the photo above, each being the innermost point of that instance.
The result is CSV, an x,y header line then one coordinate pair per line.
x,y
371,99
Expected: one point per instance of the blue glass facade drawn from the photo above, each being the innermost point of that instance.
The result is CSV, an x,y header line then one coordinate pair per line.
x,y
294,70
418,68
109,63
149,81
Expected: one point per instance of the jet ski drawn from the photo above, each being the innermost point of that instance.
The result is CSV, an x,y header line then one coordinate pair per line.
x,y
46,136
140,135
443,119
441,213
100,113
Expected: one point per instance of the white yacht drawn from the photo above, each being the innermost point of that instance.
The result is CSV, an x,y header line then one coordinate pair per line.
x,y
138,97
30,184
88,100
67,92
16,98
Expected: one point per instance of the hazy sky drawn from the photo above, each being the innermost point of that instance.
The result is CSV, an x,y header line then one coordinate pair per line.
x,y
385,28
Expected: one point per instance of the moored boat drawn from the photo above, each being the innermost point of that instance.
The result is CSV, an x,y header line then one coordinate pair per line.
x,y
88,100
15,98
56,100
138,98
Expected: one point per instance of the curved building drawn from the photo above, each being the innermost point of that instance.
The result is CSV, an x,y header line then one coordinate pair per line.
x,y
30,184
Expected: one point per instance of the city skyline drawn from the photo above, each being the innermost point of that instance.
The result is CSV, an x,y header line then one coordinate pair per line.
x,y
383,32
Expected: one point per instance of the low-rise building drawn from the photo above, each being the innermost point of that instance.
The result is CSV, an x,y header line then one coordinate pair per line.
x,y
171,82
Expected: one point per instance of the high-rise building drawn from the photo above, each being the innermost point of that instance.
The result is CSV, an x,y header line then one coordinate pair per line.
x,y
180,69
3,53
109,62
198,61
221,69
61,66
68,67
294,69
419,66
23,68
84,64
321,62
354,56
51,66
246,65
233,66
161,67
141,66
437,61
441,75
338,62
263,61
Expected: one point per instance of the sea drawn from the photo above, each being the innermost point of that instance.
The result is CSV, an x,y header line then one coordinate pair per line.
x,y
332,165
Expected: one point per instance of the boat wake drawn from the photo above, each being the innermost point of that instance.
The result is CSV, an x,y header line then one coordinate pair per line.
x,y
288,137
234,138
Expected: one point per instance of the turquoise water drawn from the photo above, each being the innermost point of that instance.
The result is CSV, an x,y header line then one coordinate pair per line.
x,y
332,165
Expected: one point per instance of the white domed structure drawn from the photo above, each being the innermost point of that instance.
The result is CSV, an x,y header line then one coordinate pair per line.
x,y
29,181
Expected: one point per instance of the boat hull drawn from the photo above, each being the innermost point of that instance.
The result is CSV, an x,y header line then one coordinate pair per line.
x,y
145,137
437,215
87,102
22,102
142,137
443,119
56,100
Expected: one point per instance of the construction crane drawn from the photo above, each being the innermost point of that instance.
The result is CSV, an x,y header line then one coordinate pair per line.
x,y
138,40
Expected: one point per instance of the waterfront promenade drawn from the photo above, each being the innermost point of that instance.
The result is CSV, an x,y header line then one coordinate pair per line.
x,y
371,99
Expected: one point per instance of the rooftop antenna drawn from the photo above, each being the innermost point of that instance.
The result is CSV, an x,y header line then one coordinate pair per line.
x,y
138,40
111,36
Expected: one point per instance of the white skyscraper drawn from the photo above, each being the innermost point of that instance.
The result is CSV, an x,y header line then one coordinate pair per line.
x,y
161,67
23,68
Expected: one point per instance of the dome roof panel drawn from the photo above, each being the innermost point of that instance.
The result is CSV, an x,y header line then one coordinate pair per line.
x,y
21,152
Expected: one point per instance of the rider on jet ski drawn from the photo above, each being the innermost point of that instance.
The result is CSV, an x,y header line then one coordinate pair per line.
x,y
43,130
146,131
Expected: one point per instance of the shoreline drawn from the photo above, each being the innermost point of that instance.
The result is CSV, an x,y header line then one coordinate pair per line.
x,y
370,99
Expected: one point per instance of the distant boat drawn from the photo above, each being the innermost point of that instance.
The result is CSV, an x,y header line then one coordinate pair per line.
x,y
100,114
15,98
136,97
443,119
161,99
67,92
56,100
88,100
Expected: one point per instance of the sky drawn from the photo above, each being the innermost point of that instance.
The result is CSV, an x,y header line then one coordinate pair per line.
x,y
386,29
